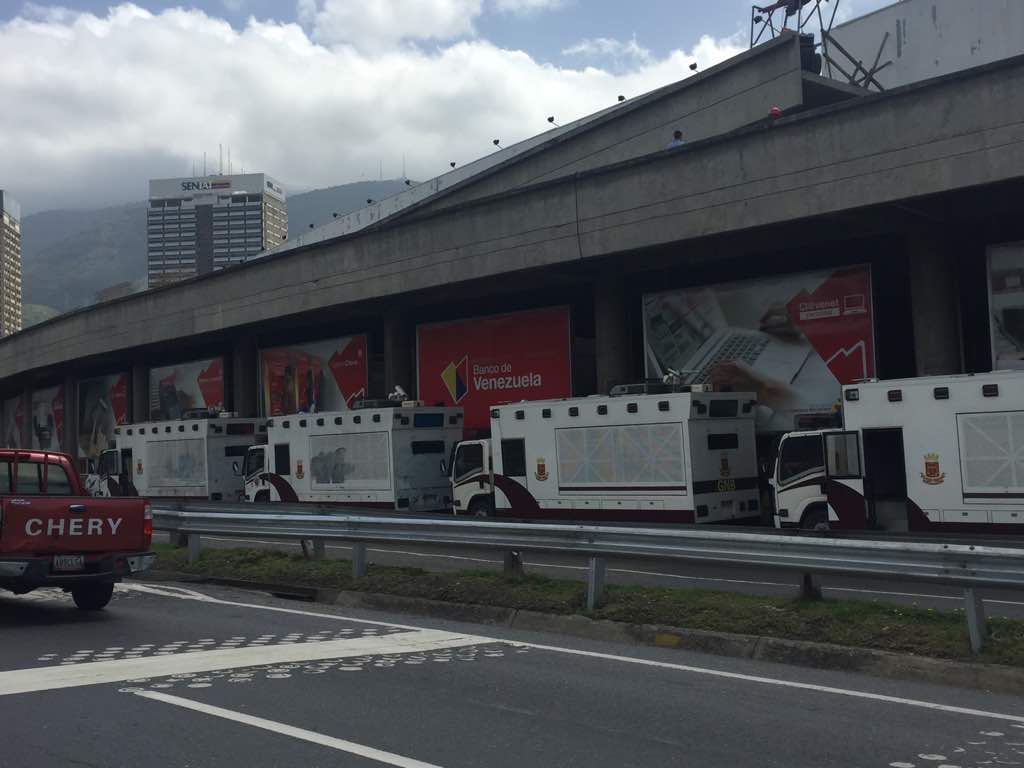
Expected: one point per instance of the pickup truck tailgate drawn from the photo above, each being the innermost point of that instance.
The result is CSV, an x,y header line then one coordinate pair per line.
x,y
55,524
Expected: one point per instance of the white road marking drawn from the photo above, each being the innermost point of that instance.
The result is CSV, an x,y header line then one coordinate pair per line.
x,y
378,755
633,572
117,671
479,640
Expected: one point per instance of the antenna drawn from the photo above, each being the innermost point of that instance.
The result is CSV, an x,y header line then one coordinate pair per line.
x,y
204,162
220,164
229,159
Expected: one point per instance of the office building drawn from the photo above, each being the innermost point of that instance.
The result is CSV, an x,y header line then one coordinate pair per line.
x,y
10,265
199,225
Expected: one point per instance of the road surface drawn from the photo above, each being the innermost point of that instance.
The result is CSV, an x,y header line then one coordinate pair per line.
x,y
170,675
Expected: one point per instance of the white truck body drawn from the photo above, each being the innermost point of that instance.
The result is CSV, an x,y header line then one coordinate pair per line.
x,y
667,457
932,453
378,458
187,459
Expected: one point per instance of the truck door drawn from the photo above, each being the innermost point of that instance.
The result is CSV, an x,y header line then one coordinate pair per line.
x,y
800,482
471,487
126,483
885,479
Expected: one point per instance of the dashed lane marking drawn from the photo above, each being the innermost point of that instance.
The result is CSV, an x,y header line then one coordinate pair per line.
x,y
378,755
120,670
782,683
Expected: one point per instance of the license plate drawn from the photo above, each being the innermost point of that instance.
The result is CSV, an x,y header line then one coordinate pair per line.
x,y
68,562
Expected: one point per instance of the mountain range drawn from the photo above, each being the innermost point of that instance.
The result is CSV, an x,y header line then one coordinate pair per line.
x,y
68,256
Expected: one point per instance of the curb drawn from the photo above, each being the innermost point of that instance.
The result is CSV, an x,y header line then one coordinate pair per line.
x,y
922,669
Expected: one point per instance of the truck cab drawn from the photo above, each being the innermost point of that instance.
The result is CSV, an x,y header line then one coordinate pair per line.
x,y
472,477
818,474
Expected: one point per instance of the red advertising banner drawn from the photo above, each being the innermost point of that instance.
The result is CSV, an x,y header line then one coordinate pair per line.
x,y
316,376
102,405
791,339
175,389
483,361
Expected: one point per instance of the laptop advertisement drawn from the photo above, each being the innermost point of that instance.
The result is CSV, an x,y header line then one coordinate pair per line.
x,y
480,362
175,389
793,339
1006,306
315,376
102,405
46,422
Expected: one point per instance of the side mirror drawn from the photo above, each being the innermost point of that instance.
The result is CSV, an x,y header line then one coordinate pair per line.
x,y
235,469
444,468
91,467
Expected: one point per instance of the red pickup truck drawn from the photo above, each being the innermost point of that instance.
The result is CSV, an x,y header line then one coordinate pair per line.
x,y
53,535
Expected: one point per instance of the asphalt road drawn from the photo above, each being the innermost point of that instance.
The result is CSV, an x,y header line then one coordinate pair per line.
x,y
748,580
172,676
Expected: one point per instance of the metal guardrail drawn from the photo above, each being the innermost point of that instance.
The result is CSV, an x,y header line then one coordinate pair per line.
x,y
968,566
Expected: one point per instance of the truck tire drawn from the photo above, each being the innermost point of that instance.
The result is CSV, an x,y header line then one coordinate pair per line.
x,y
815,519
481,506
92,597
263,497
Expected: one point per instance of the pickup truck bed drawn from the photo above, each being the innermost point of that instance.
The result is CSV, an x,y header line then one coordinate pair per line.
x,y
51,534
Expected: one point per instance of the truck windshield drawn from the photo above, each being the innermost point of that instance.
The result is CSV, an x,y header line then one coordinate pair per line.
x,y
800,456
469,459
253,462
108,463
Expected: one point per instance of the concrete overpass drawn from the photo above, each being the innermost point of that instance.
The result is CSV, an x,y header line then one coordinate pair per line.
x,y
917,181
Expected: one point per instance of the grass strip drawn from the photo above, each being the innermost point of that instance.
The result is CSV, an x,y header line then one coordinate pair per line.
x,y
856,623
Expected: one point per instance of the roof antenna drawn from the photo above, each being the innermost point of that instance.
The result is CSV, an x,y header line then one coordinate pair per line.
x,y
220,164
204,162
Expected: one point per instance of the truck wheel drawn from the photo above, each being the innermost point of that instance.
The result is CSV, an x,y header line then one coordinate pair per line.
x,y
481,506
92,597
815,519
263,497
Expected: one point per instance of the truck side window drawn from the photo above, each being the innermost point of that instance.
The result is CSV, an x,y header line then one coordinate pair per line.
x,y
513,457
469,459
253,462
282,459
108,463
57,481
800,455
29,479
6,477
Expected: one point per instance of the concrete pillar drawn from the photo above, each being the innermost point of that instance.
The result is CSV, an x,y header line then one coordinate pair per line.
x,y
399,350
69,440
245,379
935,305
139,394
611,333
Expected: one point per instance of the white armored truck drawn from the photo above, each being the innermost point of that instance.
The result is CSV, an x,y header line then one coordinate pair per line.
x,y
647,452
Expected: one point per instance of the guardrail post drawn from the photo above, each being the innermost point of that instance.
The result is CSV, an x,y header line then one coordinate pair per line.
x,y
319,549
513,564
976,626
193,547
358,560
595,582
810,589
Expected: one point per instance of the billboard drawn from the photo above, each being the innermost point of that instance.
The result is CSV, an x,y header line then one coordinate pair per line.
x,y
1006,305
174,389
47,419
14,418
102,405
792,339
482,361
316,376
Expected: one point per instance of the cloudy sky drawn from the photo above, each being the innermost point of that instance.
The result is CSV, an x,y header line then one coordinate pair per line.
x,y
100,96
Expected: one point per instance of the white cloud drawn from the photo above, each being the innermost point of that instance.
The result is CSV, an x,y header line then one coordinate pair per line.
x,y
601,47
95,105
383,23
527,6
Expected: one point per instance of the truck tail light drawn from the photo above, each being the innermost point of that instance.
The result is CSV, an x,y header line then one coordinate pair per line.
x,y
147,521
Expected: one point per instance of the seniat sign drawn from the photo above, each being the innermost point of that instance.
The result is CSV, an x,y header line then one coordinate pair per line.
x,y
483,361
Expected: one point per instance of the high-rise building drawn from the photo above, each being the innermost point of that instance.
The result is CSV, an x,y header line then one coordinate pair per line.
x,y
10,264
198,225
